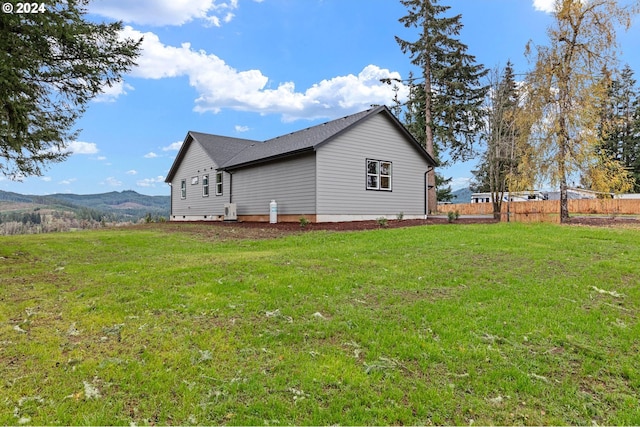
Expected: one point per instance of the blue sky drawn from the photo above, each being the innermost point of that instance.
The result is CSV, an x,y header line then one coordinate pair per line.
x,y
258,69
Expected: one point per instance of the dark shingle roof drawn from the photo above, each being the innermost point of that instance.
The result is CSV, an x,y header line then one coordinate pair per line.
x,y
295,142
219,148
231,153
222,148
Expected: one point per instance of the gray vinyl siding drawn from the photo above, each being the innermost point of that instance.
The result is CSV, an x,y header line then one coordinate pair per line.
x,y
290,182
341,172
196,162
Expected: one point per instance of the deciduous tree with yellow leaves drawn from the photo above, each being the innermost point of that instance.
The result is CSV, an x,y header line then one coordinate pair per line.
x,y
564,86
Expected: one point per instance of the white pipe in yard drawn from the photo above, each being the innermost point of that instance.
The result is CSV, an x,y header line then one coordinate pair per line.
x,y
273,212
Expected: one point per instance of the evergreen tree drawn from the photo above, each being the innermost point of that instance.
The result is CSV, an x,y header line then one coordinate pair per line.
x,y
52,63
414,121
451,93
619,127
480,181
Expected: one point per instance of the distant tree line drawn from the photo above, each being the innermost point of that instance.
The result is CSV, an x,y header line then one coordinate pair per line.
x,y
55,220
21,217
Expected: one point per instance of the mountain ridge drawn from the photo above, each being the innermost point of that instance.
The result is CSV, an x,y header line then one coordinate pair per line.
x,y
123,205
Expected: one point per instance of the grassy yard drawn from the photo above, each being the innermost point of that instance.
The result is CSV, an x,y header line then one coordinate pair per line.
x,y
450,324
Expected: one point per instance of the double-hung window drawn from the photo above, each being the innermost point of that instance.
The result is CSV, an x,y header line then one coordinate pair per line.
x,y
219,184
205,185
379,175
183,189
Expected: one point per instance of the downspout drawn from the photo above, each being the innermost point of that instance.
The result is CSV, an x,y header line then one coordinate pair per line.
x,y
230,187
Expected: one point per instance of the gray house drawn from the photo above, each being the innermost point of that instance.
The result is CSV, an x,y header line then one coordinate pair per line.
x,y
360,167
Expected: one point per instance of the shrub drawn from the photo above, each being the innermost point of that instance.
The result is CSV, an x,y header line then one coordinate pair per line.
x,y
400,216
303,222
382,221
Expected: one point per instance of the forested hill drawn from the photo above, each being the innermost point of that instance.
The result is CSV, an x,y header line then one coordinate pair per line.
x,y
118,201
122,205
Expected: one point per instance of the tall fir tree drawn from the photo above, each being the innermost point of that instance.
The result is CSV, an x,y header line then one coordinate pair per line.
x,y
452,93
619,127
52,63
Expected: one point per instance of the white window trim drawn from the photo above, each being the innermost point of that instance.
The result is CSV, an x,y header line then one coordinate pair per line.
x,y
205,187
183,189
378,175
219,185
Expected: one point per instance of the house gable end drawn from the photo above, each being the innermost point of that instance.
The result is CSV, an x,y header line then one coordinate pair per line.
x,y
181,153
218,148
393,121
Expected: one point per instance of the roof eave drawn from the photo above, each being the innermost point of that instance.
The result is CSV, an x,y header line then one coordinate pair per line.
x,y
411,138
178,159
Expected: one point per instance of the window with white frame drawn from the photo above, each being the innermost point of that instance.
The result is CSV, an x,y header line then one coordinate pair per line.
x,y
205,185
379,175
219,184
183,189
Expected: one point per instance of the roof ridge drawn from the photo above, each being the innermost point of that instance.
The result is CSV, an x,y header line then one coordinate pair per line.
x,y
302,140
363,113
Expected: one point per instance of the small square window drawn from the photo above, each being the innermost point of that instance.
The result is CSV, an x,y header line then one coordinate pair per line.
x,y
385,183
372,167
372,182
379,174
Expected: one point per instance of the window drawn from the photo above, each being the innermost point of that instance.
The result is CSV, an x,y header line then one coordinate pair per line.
x,y
379,175
183,188
205,185
194,180
219,184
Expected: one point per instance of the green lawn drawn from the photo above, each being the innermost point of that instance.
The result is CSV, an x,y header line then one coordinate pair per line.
x,y
450,324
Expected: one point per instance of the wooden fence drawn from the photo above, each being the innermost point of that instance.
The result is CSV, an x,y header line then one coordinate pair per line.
x,y
548,210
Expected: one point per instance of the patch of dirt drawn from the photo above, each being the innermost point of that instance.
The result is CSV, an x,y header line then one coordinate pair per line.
x,y
260,230
221,231
606,221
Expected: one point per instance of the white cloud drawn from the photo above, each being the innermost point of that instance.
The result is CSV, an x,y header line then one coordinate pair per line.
x,y
165,12
46,178
112,182
68,181
241,128
150,155
101,158
79,147
132,172
544,5
220,86
111,94
150,182
173,147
